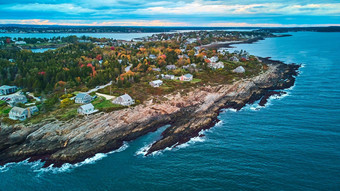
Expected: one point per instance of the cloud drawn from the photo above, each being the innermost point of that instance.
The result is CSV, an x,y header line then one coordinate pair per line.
x,y
36,7
200,7
103,23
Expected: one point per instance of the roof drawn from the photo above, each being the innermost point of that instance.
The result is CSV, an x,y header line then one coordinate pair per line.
x,y
18,110
82,95
157,81
125,97
188,75
87,106
7,87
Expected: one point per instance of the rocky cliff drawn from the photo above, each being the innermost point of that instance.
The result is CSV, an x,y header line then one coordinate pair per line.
x,y
57,142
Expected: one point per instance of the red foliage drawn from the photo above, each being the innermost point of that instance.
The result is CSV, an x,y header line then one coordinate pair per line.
x,y
243,59
8,40
112,48
42,73
99,57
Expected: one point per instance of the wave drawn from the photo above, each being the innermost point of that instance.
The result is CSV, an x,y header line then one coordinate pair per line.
x,y
200,138
37,166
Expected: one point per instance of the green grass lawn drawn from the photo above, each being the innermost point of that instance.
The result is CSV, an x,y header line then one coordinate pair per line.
x,y
102,104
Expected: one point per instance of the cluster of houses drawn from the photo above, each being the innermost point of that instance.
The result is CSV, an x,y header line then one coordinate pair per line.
x,y
10,95
87,108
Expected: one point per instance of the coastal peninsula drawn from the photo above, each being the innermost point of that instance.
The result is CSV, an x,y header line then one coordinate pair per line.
x,y
188,103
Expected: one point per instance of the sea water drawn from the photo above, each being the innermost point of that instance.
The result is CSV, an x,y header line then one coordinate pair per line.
x,y
291,144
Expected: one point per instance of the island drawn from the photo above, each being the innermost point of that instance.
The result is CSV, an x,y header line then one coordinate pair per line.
x,y
91,95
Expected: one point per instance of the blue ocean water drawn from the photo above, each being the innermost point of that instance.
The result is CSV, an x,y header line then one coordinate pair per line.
x,y
291,144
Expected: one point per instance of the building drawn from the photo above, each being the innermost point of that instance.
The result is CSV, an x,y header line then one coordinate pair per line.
x,y
186,77
156,69
152,56
217,65
125,100
168,77
5,90
20,42
18,113
239,69
18,99
234,59
86,109
156,83
170,67
213,59
83,98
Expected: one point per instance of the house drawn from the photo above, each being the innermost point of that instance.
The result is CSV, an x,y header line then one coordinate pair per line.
x,y
189,66
5,90
217,65
152,56
20,42
168,77
125,100
86,109
18,113
234,59
18,99
245,56
156,69
213,59
239,69
186,77
170,67
83,98
156,83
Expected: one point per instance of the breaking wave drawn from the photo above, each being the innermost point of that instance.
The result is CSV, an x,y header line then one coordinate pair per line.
x,y
37,166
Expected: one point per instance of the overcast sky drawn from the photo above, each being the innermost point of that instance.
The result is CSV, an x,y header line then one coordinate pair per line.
x,y
171,13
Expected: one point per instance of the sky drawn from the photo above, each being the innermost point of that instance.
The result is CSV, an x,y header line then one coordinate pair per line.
x,y
207,13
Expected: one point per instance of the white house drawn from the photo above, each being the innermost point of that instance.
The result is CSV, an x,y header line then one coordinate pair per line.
x,y
217,65
168,77
170,67
20,42
234,59
156,83
83,98
152,56
213,59
125,100
86,109
186,77
18,99
239,69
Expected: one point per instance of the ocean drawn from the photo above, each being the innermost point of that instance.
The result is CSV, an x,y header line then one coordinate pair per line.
x,y
293,143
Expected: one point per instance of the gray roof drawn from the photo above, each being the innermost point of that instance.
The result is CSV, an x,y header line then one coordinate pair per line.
x,y
239,69
82,95
157,81
18,110
125,97
7,87
87,106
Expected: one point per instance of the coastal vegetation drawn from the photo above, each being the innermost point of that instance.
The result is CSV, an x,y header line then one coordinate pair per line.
x,y
84,63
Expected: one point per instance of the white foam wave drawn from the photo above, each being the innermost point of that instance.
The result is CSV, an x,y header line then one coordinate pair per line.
x,y
229,109
37,166
143,151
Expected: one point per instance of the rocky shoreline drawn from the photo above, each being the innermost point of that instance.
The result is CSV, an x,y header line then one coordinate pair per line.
x,y
57,142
